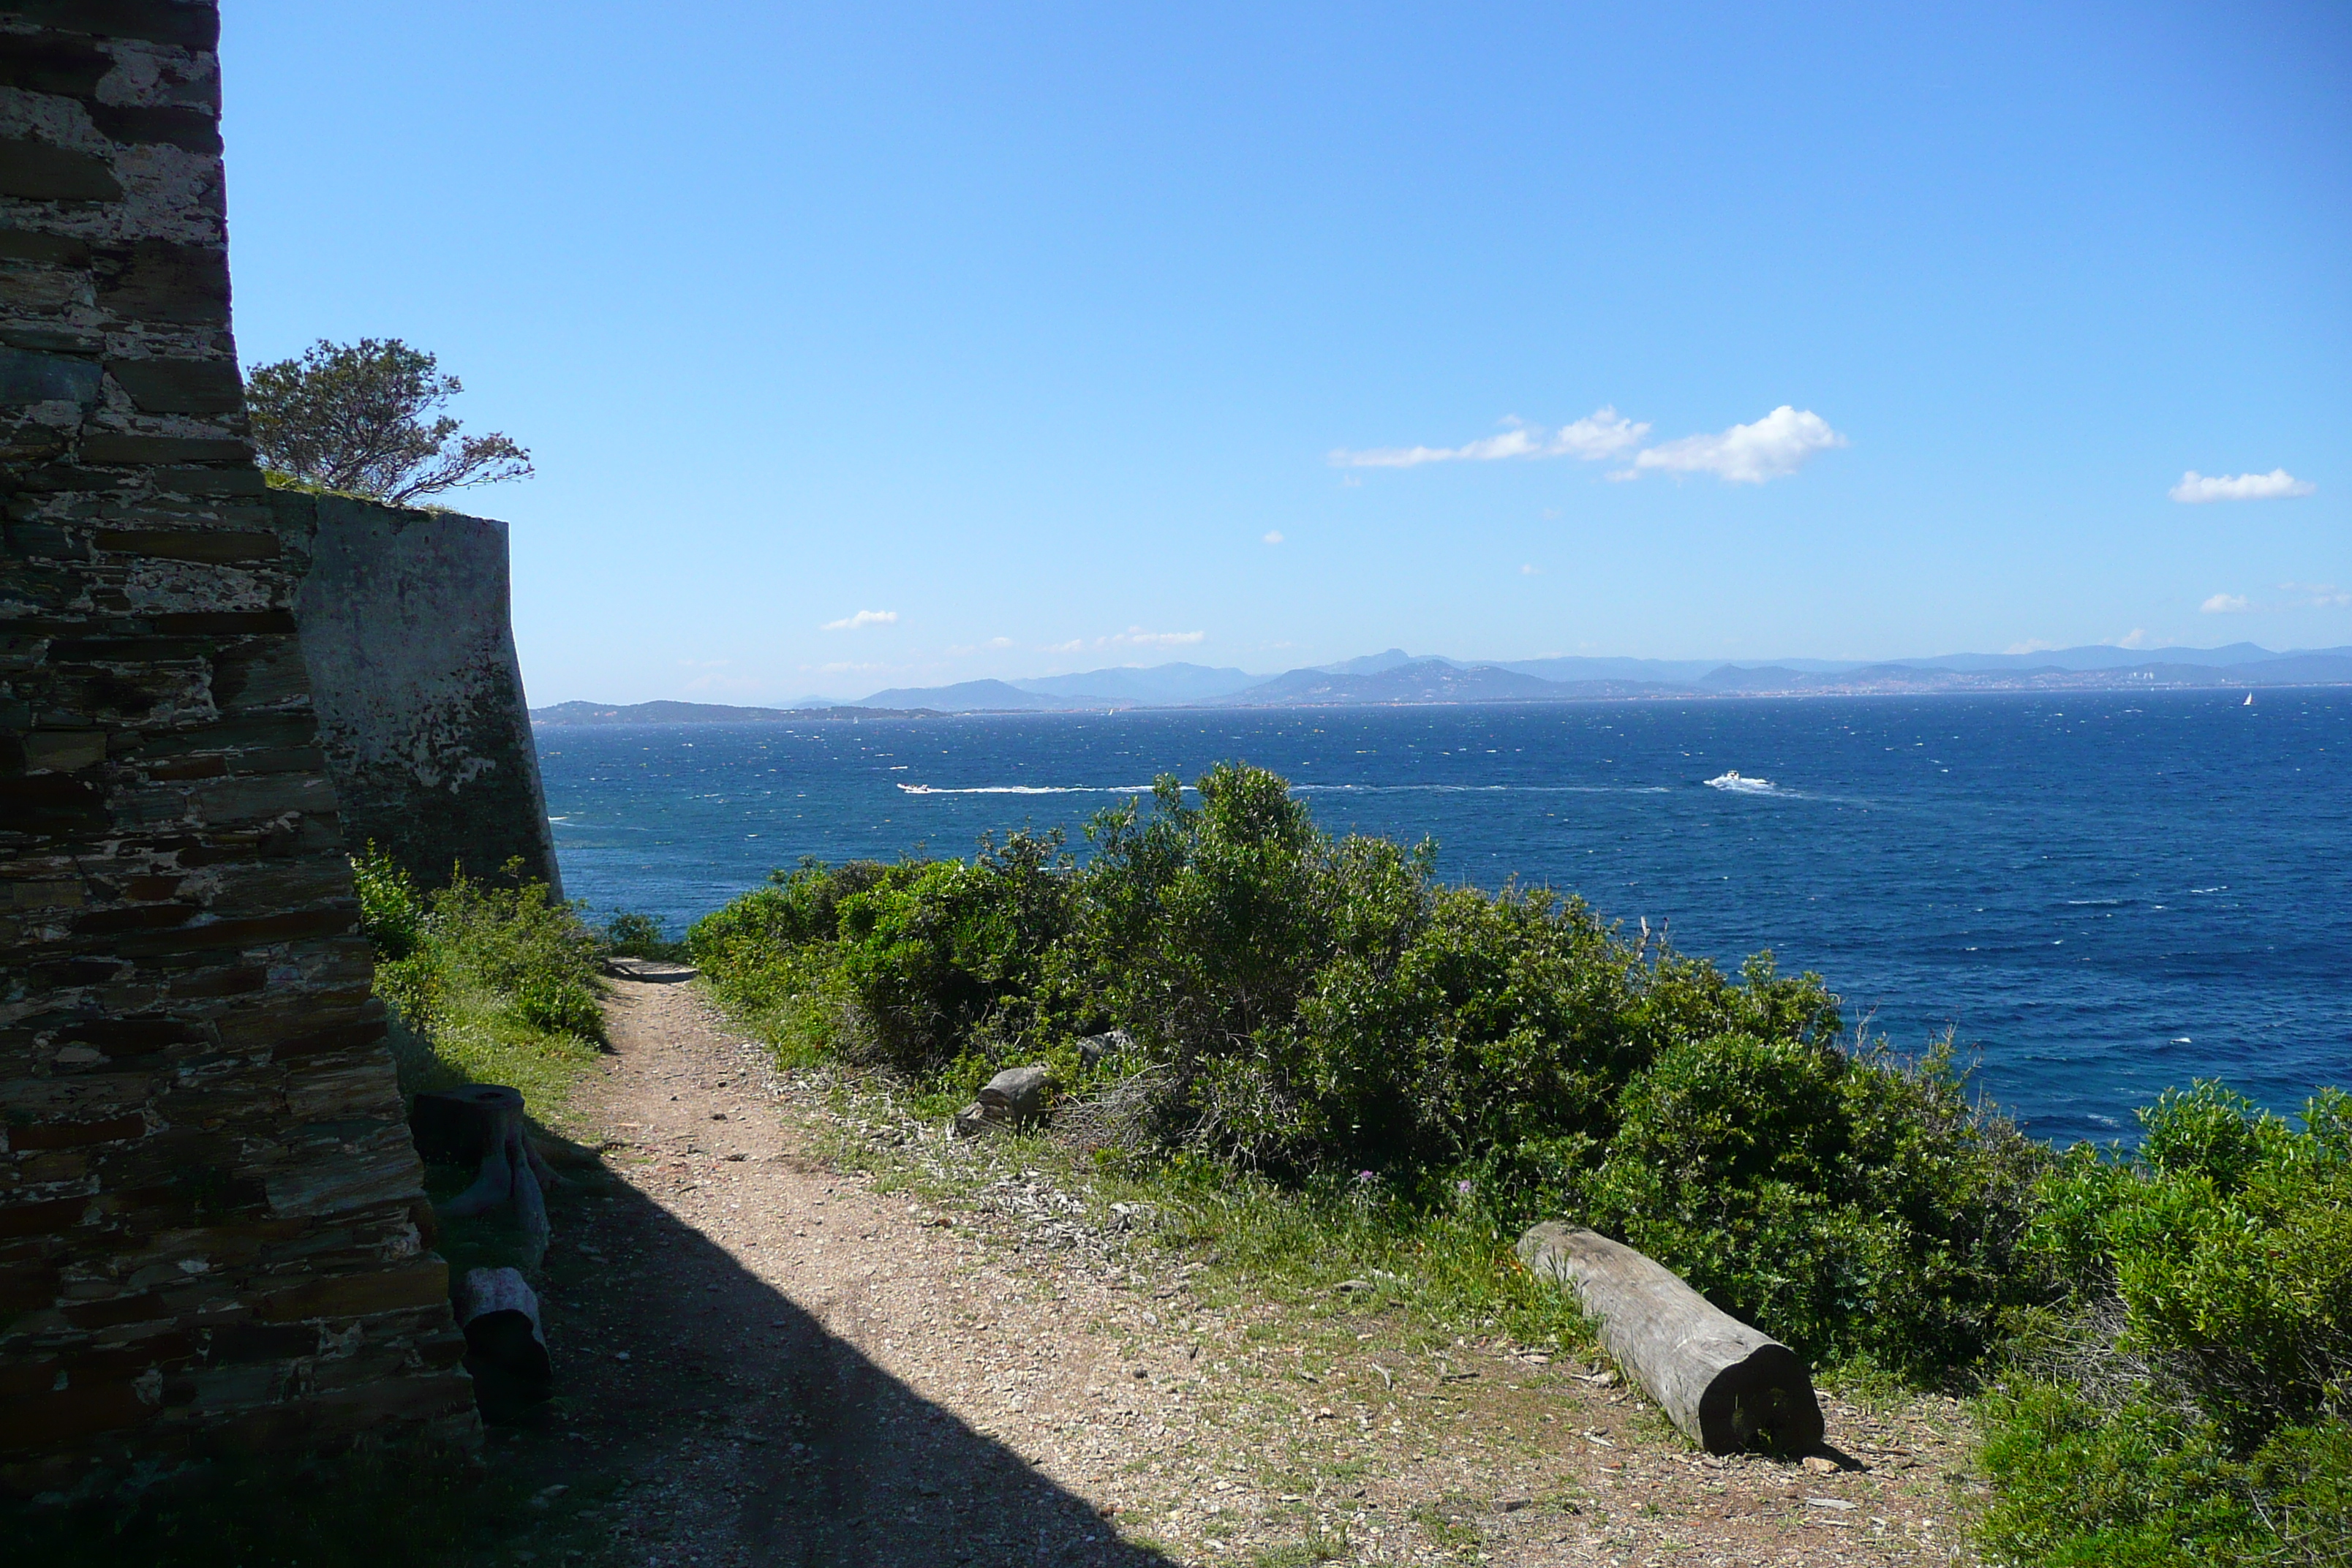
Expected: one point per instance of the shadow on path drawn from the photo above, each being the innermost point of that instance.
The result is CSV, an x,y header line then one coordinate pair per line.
x,y
738,1430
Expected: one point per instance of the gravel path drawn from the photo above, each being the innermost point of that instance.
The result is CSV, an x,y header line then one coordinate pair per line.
x,y
767,1361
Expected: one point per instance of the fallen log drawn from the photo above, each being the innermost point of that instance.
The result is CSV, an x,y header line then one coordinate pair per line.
x,y
488,1118
506,1350
458,1126
1722,1382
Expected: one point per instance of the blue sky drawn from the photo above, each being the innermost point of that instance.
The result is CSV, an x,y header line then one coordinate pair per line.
x,y
884,345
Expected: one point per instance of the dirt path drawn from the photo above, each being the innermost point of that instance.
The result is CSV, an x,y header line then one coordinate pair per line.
x,y
766,1361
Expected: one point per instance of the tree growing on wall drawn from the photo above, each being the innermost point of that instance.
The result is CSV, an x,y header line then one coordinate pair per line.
x,y
364,418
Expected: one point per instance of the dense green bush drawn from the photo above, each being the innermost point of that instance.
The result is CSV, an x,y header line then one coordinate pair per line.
x,y
629,934
933,953
1322,1009
488,982
2186,1399
1859,1206
391,911
513,943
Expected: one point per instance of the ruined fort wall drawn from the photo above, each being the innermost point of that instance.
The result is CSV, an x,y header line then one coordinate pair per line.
x,y
210,1210
406,633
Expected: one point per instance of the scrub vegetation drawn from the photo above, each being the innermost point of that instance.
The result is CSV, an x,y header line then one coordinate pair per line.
x,y
1235,1002
2185,1395
487,984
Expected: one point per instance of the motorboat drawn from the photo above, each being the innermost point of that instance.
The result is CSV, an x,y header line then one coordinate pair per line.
x,y
1736,781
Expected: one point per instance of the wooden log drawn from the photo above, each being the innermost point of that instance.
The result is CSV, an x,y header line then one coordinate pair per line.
x,y
506,1348
529,1204
458,1126
1017,1094
510,1178
493,1188
1720,1381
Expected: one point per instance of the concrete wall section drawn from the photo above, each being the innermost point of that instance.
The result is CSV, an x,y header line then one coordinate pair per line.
x,y
405,628
210,1210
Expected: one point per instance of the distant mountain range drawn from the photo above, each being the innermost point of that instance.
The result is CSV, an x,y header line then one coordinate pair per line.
x,y
706,713
1396,678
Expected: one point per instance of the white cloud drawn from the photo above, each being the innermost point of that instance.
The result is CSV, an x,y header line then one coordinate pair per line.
x,y
990,646
2036,646
863,619
1773,447
1530,569
1136,636
1274,536
2196,488
1603,433
1074,646
2307,597
2135,637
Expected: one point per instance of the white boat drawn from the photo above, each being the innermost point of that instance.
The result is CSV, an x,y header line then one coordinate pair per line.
x,y
1734,781
2248,702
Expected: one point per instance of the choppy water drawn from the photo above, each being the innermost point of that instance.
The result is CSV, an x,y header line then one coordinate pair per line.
x,y
2103,893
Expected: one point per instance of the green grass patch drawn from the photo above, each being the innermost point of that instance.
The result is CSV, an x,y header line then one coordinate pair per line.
x,y
1448,1523
1317,1545
487,984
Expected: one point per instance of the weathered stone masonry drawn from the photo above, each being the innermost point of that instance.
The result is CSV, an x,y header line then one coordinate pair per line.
x,y
408,640
210,1210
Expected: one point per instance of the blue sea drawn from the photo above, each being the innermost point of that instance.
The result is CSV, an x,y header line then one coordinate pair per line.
x,y
2103,894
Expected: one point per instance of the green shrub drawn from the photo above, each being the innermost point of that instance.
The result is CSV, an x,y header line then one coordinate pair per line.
x,y
933,952
1326,1004
497,984
629,934
391,911
1857,1207
515,944
2084,1482
2185,1399
795,909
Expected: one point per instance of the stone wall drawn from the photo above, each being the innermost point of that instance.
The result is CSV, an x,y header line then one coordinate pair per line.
x,y
210,1210
406,631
